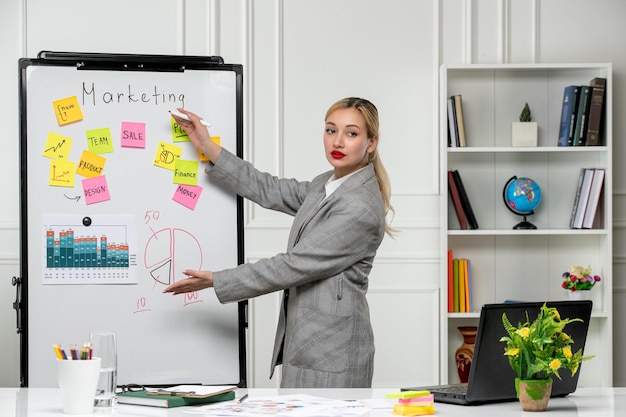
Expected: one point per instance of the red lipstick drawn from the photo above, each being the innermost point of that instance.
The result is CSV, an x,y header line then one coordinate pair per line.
x,y
337,154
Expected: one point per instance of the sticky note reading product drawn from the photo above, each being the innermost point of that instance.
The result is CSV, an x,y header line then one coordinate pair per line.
x,y
57,146
90,165
185,172
133,135
100,140
96,190
187,195
67,110
166,155
61,173
178,134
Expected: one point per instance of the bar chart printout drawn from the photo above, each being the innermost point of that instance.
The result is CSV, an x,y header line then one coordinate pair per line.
x,y
77,255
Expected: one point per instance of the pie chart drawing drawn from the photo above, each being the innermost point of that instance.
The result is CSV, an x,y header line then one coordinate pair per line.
x,y
170,251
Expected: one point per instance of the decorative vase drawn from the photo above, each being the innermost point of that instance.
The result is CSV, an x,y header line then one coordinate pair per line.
x,y
533,395
580,295
464,354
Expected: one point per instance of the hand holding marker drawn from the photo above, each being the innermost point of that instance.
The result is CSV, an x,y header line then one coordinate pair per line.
x,y
185,117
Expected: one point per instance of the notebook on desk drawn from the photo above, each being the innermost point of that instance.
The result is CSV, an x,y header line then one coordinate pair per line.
x,y
491,378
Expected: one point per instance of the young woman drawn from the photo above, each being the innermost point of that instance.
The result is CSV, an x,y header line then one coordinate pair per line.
x,y
324,337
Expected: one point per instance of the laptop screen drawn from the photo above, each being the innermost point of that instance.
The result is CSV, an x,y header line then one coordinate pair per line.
x,y
491,376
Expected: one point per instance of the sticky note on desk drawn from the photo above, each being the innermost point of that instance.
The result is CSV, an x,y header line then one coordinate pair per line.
x,y
408,394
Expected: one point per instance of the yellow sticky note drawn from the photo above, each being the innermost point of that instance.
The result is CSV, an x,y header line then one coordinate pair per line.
x,y
185,172
408,394
90,164
100,140
67,110
57,146
61,173
201,154
166,155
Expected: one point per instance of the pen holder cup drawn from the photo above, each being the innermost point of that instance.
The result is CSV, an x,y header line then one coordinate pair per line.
x,y
78,380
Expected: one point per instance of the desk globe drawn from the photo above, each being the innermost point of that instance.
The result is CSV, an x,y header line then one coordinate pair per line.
x,y
522,196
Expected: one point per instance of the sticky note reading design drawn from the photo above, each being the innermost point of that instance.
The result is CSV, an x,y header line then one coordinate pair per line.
x,y
57,146
178,134
201,154
67,110
187,195
100,140
166,155
96,190
186,172
133,135
90,165
61,173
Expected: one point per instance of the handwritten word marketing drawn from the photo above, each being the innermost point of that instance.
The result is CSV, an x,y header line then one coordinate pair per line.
x,y
93,95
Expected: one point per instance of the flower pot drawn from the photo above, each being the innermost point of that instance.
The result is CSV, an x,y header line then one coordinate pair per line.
x,y
464,354
533,395
580,295
524,134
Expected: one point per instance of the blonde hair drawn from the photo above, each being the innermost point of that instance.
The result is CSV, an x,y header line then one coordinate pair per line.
x,y
370,114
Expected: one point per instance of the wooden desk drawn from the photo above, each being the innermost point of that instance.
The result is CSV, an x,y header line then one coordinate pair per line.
x,y
591,402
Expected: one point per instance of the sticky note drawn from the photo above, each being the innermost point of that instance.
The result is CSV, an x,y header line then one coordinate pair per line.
x,y
185,172
408,394
413,410
90,164
201,154
133,135
57,146
426,400
100,140
178,134
187,195
96,190
61,173
166,155
67,110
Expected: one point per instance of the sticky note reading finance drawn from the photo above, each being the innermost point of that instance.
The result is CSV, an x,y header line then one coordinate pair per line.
x,y
166,155
187,195
96,190
90,164
67,110
61,173
185,172
133,135
100,140
57,146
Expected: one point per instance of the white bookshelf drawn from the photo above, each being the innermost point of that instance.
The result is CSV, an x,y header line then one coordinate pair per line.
x,y
527,265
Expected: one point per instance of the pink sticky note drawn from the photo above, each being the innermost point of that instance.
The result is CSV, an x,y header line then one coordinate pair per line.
x,y
187,195
96,189
133,135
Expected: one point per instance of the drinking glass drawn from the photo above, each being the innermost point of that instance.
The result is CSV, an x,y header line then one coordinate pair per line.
x,y
105,347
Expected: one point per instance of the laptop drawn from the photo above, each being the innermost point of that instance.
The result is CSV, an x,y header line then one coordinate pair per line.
x,y
491,377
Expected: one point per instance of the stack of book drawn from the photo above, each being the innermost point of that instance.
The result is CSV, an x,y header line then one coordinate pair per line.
x,y
587,209
581,114
456,126
459,285
460,201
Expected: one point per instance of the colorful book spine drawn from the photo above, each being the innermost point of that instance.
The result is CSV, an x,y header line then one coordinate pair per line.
x,y
580,131
568,112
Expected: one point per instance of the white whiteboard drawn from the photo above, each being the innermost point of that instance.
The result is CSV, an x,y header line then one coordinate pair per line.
x,y
162,339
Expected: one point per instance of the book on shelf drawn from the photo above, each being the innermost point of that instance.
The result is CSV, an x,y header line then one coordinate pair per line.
x,y
450,281
596,112
453,131
459,285
595,193
580,131
456,201
582,196
460,123
455,284
149,398
465,202
570,99
462,287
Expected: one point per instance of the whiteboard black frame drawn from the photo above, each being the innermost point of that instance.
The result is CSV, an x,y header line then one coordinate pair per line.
x,y
117,62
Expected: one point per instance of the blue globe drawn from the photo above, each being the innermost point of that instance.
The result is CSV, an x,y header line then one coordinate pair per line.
x,y
522,195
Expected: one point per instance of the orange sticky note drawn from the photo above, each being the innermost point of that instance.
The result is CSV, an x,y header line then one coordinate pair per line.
x,y
67,110
90,165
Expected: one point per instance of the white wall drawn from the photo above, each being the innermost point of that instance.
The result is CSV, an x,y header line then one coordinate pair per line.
x,y
299,57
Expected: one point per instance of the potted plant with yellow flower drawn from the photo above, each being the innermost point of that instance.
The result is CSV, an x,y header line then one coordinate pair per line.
x,y
537,351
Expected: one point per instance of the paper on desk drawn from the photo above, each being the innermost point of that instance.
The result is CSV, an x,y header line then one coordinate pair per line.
x,y
194,391
300,405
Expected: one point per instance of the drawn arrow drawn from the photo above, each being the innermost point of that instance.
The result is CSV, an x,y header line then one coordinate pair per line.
x,y
72,198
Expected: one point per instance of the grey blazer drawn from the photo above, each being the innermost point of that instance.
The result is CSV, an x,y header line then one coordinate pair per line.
x,y
324,337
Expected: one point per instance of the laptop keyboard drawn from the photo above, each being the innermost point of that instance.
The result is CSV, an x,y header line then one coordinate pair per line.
x,y
452,389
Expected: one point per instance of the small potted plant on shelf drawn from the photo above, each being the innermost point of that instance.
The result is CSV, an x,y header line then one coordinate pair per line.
x,y
524,132
536,351
579,281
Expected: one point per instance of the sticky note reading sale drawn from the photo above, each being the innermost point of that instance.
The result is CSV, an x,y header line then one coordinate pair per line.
x,y
67,110
133,135
96,190
187,195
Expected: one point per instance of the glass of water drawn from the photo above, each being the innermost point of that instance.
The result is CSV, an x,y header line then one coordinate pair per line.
x,y
105,347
